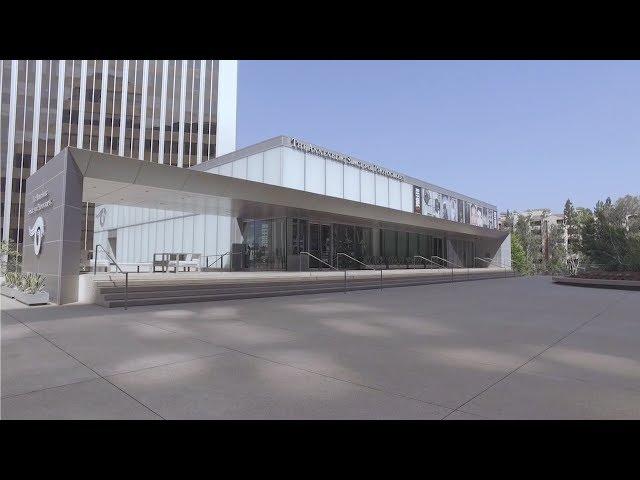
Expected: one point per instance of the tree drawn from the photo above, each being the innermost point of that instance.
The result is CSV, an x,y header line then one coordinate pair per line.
x,y
11,257
543,235
571,224
557,262
608,238
624,209
632,256
530,240
519,260
508,221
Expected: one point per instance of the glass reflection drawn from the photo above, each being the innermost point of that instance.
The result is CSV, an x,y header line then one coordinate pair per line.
x,y
265,244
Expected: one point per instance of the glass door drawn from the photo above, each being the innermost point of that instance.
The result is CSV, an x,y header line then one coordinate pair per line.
x,y
320,244
264,241
438,249
325,244
314,244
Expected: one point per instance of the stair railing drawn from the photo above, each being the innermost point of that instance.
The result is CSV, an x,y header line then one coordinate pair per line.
x,y
501,265
126,274
488,262
313,256
220,257
358,261
451,263
217,257
426,259
432,262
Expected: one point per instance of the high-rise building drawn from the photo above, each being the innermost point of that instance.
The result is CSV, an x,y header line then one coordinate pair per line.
x,y
177,112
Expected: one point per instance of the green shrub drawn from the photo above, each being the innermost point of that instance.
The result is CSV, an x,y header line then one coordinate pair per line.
x,y
632,257
32,283
12,279
11,258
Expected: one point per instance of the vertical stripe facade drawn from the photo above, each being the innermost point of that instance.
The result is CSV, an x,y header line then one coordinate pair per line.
x,y
163,111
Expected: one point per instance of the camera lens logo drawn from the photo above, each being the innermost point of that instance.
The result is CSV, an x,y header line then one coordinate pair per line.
x,y
37,231
102,215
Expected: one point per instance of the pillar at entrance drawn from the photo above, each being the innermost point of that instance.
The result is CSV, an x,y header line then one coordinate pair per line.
x,y
52,225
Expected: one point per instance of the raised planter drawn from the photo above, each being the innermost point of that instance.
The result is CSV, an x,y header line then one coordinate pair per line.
x,y
39,298
598,283
9,291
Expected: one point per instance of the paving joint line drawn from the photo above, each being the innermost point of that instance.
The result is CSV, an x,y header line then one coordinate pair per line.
x,y
88,367
200,357
13,395
231,349
374,388
553,344
4,397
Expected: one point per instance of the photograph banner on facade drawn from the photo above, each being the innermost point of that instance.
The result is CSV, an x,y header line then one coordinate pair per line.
x,y
417,199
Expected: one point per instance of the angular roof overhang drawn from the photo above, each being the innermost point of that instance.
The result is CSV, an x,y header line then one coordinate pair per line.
x,y
111,179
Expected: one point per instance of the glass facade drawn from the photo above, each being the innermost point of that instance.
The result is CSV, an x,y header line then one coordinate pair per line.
x,y
302,170
162,111
268,244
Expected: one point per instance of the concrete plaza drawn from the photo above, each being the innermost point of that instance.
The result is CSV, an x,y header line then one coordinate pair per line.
x,y
516,348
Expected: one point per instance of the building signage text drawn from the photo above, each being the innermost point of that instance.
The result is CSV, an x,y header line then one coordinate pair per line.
x,y
306,147
40,206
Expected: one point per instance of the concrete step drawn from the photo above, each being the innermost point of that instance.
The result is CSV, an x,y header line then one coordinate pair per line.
x,y
116,284
167,294
113,293
111,287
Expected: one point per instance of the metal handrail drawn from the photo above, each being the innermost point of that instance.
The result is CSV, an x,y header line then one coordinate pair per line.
x,y
452,263
501,265
445,260
361,263
217,257
489,262
321,261
126,274
220,257
493,261
424,258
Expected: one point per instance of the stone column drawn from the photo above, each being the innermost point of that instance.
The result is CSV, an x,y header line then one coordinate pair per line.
x,y
52,226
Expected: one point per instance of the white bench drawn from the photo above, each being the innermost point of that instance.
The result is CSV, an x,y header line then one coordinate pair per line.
x,y
191,260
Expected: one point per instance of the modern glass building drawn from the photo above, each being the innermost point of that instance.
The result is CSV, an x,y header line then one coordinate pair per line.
x,y
137,159
174,112
264,236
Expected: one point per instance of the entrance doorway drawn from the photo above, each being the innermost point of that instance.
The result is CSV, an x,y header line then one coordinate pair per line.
x,y
438,247
320,237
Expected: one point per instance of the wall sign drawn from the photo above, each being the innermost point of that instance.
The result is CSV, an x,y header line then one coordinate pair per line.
x,y
37,231
102,215
307,147
40,206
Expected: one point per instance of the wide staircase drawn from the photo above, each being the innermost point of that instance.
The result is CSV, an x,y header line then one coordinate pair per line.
x,y
148,291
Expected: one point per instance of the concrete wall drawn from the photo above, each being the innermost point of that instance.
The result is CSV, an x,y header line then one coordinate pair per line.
x,y
503,255
54,196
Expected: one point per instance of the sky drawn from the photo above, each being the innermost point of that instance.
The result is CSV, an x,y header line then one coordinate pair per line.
x,y
517,134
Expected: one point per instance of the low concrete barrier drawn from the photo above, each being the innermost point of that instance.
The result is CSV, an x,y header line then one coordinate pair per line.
x,y
598,283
